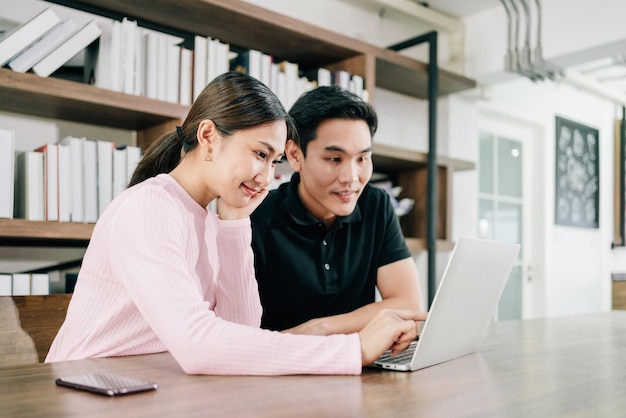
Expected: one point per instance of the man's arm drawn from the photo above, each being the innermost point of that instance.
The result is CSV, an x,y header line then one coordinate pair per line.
x,y
398,284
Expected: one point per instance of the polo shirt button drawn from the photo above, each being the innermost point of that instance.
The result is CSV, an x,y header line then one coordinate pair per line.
x,y
327,266
324,242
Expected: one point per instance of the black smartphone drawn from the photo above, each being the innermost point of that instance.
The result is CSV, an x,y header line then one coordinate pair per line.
x,y
107,384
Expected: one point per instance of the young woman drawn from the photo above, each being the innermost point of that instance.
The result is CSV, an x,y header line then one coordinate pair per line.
x,y
162,273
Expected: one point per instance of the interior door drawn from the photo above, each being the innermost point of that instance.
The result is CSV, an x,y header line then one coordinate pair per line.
x,y
506,203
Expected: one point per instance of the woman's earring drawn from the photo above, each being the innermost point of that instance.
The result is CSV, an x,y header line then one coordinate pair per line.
x,y
208,157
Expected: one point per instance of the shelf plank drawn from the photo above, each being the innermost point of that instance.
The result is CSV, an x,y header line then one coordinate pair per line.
x,y
68,100
395,158
402,74
58,233
419,244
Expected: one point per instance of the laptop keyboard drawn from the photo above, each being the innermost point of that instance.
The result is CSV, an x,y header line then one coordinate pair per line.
x,y
403,357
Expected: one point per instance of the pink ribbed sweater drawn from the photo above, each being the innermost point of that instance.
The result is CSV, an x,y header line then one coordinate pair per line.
x,y
163,274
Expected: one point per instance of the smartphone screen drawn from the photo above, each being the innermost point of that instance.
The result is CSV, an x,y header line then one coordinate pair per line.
x,y
107,384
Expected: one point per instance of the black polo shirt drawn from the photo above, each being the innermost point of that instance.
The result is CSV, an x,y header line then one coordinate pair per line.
x,y
305,271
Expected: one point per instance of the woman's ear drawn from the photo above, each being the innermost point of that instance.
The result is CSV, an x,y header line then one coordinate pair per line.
x,y
294,155
207,135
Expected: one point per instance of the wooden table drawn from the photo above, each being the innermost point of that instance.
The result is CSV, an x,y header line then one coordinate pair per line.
x,y
568,366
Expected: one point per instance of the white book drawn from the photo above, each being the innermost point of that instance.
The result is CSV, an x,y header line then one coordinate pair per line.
x,y
65,183
275,70
151,54
324,77
6,284
140,72
172,74
77,156
342,79
254,63
39,284
66,51
211,69
304,85
103,63
90,182
26,34
223,58
29,199
290,69
36,52
200,60
129,28
133,155
162,68
186,76
114,67
356,85
7,172
281,89
120,173
105,174
21,284
51,177
266,70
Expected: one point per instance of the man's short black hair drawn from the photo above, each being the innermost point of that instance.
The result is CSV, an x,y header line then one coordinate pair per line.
x,y
328,102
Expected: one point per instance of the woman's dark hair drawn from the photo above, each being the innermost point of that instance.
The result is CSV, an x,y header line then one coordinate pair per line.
x,y
328,102
233,101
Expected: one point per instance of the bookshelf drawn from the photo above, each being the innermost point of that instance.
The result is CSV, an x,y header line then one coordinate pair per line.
x,y
283,37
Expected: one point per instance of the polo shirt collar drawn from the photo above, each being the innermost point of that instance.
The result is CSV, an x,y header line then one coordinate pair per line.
x,y
297,211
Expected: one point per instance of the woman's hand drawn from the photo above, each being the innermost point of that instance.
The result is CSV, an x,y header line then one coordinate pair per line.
x,y
389,329
227,212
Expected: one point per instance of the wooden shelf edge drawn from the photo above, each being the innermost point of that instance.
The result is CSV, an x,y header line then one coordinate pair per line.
x,y
39,230
399,157
417,245
409,76
55,98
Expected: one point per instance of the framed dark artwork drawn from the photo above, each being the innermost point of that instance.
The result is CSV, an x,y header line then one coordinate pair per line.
x,y
577,181
619,183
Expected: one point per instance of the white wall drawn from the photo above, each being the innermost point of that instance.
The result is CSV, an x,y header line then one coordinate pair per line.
x,y
577,262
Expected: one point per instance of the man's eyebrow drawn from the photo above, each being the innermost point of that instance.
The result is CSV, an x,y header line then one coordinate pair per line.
x,y
339,149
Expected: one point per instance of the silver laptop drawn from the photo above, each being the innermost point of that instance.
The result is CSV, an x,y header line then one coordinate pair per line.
x,y
463,307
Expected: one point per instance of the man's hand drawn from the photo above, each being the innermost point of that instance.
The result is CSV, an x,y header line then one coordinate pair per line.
x,y
389,329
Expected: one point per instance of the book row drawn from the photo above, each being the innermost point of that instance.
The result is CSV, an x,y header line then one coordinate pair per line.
x,y
69,181
139,61
24,284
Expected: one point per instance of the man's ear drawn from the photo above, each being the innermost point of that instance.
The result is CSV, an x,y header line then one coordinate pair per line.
x,y
294,155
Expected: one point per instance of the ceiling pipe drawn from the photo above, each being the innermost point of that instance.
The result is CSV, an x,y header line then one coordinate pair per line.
x,y
524,61
510,60
551,71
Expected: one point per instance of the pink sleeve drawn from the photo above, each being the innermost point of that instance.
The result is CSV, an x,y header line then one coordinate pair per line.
x,y
148,238
238,293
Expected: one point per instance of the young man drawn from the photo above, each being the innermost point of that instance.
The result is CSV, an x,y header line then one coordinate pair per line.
x,y
325,240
